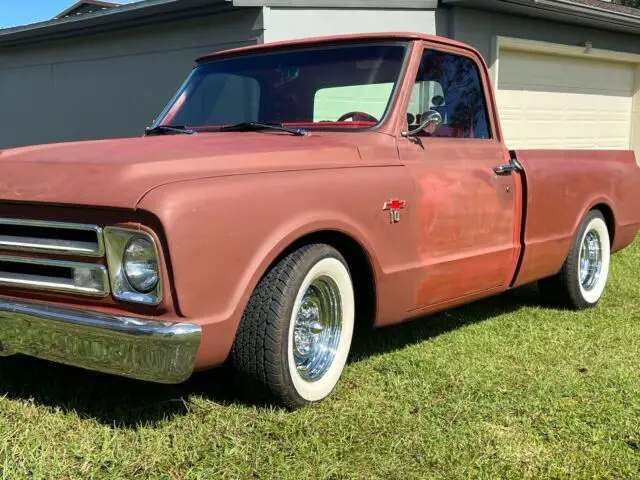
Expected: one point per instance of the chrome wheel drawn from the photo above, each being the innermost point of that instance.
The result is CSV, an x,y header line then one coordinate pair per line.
x,y
582,279
590,262
317,329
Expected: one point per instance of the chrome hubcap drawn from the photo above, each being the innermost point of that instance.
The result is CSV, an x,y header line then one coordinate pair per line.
x,y
590,261
317,329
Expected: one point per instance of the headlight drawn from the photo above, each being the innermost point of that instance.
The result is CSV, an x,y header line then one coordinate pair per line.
x,y
140,264
134,266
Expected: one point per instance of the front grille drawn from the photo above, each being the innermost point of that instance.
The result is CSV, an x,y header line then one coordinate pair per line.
x,y
54,276
51,237
55,239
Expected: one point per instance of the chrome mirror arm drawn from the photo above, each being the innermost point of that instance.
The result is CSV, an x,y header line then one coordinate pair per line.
x,y
430,117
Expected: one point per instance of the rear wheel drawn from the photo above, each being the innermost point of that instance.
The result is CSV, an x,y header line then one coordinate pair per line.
x,y
583,277
295,334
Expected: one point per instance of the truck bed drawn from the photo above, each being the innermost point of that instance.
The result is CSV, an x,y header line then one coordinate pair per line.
x,y
561,186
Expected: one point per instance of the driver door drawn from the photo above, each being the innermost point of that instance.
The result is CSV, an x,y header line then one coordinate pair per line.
x,y
468,242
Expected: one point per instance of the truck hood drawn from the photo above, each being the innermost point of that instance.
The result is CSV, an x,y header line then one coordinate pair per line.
x,y
118,173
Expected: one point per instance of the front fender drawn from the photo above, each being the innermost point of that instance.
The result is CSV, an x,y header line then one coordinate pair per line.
x,y
224,233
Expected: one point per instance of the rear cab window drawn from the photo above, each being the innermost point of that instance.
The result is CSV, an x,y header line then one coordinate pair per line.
x,y
330,104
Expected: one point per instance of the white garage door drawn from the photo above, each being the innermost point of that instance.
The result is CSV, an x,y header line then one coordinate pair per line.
x,y
549,101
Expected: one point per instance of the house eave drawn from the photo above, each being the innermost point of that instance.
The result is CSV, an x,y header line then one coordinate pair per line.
x,y
157,11
77,5
124,16
564,11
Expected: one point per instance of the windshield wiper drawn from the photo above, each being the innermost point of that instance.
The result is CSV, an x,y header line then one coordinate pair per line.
x,y
256,126
168,130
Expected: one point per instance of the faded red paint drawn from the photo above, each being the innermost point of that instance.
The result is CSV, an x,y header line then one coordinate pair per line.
x,y
225,205
562,187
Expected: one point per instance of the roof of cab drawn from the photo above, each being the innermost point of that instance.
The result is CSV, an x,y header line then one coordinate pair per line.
x,y
393,36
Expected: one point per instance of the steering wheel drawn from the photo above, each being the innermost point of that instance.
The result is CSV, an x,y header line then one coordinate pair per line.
x,y
358,117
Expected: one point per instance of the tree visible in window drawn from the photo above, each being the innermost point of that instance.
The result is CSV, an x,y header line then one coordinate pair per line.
x,y
628,3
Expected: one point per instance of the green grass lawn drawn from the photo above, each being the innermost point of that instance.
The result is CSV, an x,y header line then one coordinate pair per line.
x,y
503,388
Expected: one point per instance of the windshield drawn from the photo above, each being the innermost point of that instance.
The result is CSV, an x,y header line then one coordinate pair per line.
x,y
333,86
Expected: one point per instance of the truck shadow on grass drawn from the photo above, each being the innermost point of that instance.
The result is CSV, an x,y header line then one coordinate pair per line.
x,y
125,403
369,342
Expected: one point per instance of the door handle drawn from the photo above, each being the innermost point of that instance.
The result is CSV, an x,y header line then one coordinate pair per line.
x,y
505,169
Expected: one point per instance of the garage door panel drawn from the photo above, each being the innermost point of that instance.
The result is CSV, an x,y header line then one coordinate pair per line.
x,y
548,101
539,72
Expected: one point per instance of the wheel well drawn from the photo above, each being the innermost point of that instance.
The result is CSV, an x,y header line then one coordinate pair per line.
x,y
609,219
359,267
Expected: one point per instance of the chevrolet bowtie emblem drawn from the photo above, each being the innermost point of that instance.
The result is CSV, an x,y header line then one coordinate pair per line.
x,y
394,207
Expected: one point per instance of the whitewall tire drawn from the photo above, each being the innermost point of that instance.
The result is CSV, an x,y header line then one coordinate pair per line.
x,y
594,260
583,278
316,372
295,335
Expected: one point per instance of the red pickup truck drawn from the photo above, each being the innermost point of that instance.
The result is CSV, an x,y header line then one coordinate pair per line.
x,y
286,192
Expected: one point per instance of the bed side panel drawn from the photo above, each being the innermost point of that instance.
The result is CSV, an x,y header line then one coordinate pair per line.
x,y
562,186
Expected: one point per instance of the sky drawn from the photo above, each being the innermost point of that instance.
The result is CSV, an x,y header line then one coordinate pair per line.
x,y
22,12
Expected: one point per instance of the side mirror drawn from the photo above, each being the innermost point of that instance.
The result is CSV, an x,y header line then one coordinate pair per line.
x,y
427,119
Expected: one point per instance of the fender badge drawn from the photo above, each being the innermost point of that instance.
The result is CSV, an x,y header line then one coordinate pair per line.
x,y
394,207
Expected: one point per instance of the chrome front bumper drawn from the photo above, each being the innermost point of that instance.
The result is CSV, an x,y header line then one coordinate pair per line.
x,y
139,348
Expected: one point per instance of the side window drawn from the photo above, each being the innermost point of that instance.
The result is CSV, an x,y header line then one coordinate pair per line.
x,y
450,85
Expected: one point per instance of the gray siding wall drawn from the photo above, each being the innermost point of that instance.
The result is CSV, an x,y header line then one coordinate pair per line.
x,y
479,28
107,85
292,23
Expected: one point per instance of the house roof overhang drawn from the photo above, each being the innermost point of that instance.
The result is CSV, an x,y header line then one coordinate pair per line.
x,y
123,16
157,11
577,12
81,3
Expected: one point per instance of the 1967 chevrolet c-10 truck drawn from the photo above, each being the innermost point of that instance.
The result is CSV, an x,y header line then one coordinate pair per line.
x,y
286,192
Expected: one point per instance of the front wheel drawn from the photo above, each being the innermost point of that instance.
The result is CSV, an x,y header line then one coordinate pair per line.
x,y
583,277
295,334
